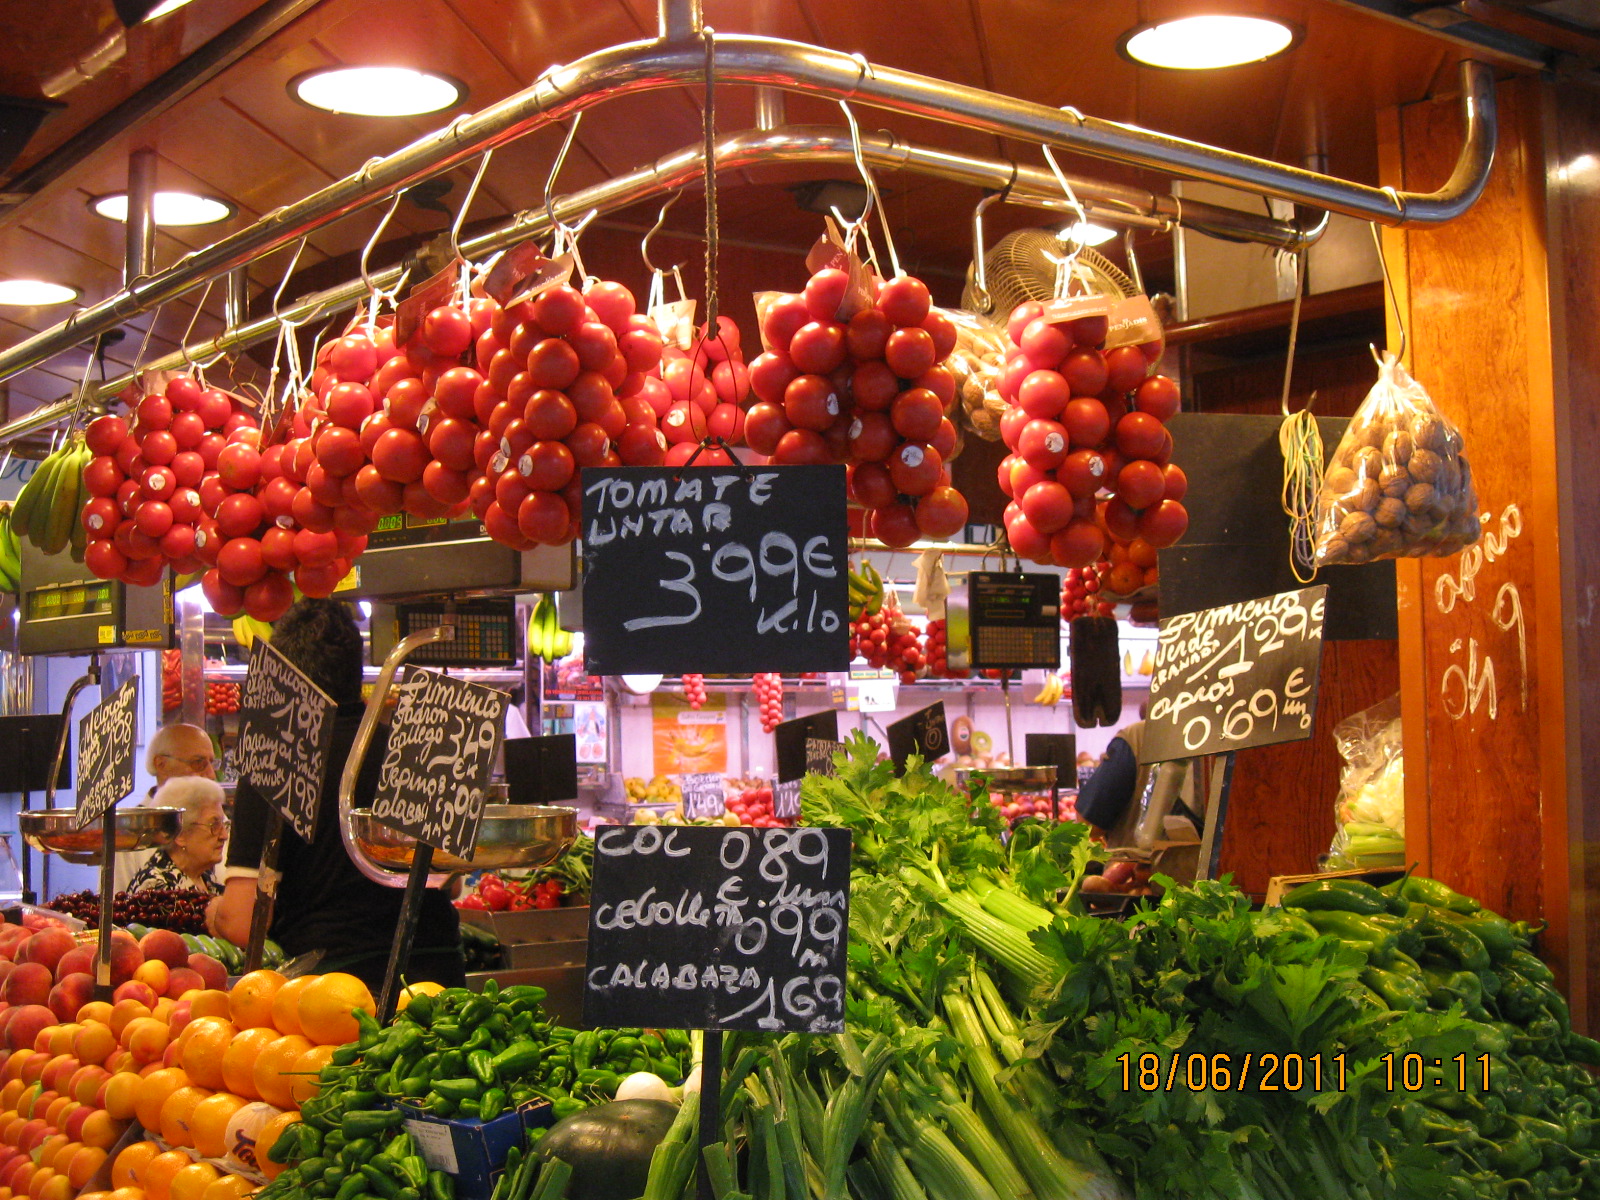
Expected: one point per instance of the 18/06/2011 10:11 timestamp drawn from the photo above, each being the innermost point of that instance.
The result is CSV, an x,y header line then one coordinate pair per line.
x,y
1293,1072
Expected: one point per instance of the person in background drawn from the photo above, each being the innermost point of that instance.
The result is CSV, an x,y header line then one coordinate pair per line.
x,y
326,909
177,751
1127,798
187,861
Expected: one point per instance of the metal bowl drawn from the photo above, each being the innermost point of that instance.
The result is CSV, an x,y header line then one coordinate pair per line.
x,y
1009,779
512,836
54,831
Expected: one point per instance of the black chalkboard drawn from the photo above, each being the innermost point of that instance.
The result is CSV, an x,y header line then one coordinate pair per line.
x,y
285,733
819,755
714,570
106,740
442,746
1237,676
30,741
542,770
703,795
789,741
1058,750
718,928
924,733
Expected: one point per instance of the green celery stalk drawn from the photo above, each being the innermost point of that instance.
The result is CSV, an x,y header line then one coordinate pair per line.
x,y
890,1165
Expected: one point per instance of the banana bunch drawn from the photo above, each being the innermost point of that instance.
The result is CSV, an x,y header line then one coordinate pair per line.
x,y
48,509
10,554
1050,694
546,638
246,629
866,591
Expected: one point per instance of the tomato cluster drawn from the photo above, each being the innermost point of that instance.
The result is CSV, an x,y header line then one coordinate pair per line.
x,y
935,648
694,690
887,638
754,807
856,376
699,393
768,689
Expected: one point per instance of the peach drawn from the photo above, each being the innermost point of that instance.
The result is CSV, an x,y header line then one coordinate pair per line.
x,y
184,980
60,1187
94,1011
6,967
71,994
181,1012
33,1134
124,1011
165,946
120,1061
50,1147
121,1091
85,1162
94,1043
59,1071
11,1130
134,990
77,961
9,1094
74,1122
34,1067
210,970
100,1129
17,1175
145,1038
13,935
14,1061
172,1054
57,1111
126,958
24,1027
29,983
61,1038
42,1103
86,1084
163,1009
46,948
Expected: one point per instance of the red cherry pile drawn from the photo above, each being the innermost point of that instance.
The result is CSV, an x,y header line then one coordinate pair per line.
x,y
1080,592
694,690
768,689
700,393
1085,422
147,481
887,638
865,388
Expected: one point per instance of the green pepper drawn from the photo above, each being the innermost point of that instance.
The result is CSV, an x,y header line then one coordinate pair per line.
x,y
458,1089
412,1085
419,1009
523,993
361,1099
441,1186
357,1150
1376,941
1494,932
366,1122
1400,992
476,1011
371,1031
1436,895
517,1059
381,1183
449,1032
1584,1049
1337,895
345,1055
583,1049
566,1107
287,1145
415,1170
1447,935
351,1187
441,1106
492,1104
622,1048
1531,967
481,1064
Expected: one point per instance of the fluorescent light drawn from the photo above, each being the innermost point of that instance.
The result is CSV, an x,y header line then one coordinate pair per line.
x,y
165,7
34,293
376,91
1206,42
1086,233
167,208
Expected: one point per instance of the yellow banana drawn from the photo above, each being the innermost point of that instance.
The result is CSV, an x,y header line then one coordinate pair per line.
x,y
39,514
65,485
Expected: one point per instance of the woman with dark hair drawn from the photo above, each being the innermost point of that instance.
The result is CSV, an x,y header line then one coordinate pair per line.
x,y
325,906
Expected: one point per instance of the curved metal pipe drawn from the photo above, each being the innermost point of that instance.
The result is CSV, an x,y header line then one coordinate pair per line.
x,y
90,679
1024,185
363,740
770,62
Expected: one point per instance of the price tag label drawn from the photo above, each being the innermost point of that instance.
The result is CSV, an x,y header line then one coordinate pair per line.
x,y
285,733
442,746
703,795
106,739
786,799
819,755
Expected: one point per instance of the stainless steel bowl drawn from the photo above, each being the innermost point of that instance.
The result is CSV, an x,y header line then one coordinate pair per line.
x,y
512,836
54,831
1009,779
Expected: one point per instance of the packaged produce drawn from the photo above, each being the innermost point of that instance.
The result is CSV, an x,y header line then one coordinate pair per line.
x,y
1371,809
1398,485
977,363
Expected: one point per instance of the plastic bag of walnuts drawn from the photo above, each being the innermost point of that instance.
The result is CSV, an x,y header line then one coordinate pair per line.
x,y
978,359
1398,485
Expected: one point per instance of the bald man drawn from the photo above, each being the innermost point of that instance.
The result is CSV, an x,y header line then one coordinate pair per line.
x,y
176,750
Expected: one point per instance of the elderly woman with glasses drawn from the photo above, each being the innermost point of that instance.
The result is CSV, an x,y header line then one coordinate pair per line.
x,y
187,860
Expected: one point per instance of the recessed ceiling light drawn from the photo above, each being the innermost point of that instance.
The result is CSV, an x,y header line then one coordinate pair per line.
x,y
376,91
1086,233
167,208
34,293
1206,42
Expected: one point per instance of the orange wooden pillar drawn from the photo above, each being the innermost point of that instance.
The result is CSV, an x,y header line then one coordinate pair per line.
x,y
1497,649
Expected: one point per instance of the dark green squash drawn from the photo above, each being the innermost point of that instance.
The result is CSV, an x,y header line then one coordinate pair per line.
x,y
608,1146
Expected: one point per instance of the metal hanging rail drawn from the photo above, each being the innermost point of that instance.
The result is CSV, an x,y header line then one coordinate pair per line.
x,y
1019,184
769,62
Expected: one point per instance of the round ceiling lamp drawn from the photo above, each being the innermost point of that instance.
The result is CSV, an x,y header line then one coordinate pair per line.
x,y
167,208
376,91
1086,233
34,293
1205,43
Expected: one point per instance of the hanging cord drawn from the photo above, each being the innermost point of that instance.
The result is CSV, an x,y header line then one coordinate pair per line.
x,y
1388,283
709,121
1066,266
1300,441
183,343
286,328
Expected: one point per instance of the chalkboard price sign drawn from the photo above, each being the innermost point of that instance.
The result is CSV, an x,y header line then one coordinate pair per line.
x,y
923,733
718,928
442,746
702,795
724,570
285,733
786,799
1240,675
819,755
106,739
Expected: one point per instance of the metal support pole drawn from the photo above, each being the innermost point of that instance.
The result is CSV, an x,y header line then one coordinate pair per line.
x,y
108,891
266,891
139,258
678,20
406,933
236,303
770,109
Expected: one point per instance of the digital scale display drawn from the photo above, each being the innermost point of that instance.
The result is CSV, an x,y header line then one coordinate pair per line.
x,y
1015,619
486,634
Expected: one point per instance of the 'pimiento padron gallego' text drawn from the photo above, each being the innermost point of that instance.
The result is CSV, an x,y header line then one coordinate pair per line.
x,y
1240,675
737,565
706,928
106,740
442,745
285,731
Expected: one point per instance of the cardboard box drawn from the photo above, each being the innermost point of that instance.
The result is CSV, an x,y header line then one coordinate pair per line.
x,y
1281,885
472,1151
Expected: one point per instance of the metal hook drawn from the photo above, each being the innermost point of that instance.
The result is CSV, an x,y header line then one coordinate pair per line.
x,y
1388,286
1133,258
466,202
980,273
366,251
277,296
555,169
874,199
183,342
661,220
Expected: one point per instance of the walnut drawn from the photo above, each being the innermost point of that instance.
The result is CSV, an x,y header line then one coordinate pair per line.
x,y
1419,497
1338,480
1331,550
1357,527
1424,466
1365,497
1358,555
1397,447
1368,461
1398,487
1428,432
1390,513
1449,478
1416,527
1387,542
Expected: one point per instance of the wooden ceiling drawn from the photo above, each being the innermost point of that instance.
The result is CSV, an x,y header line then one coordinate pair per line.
x,y
242,137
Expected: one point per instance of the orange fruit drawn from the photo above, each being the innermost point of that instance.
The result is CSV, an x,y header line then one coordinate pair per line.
x,y
101,1129
229,1187
1141,553
94,1011
145,1038
83,1164
270,1134
153,1092
309,1065
274,1072
209,1123
239,1060
45,1155
205,1042
94,1043
209,1003
123,1012
122,1095
128,1193
327,1008
177,1115
160,1171
191,1182
286,1004
250,1001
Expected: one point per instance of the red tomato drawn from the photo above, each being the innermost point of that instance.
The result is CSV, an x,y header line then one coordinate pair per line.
x,y
868,334
818,348
1044,344
910,352
1160,397
1043,393
799,446
1140,435
1043,444
559,310
1140,483
895,525
915,469
916,414
1177,483
454,392
810,402
1077,545
785,315
612,303
764,424
352,357
1047,506
1163,524
1082,473
873,385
